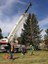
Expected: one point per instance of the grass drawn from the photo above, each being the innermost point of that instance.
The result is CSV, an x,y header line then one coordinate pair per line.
x,y
39,57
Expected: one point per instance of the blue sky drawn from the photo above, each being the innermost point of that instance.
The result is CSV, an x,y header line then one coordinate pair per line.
x,y
11,10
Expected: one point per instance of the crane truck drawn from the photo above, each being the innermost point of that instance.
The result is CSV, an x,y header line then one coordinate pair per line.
x,y
11,35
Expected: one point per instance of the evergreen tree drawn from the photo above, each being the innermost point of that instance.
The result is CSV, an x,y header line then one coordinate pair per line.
x,y
36,32
46,35
1,34
31,32
25,35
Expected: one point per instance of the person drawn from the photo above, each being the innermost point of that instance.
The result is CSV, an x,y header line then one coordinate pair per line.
x,y
23,49
11,53
31,49
9,47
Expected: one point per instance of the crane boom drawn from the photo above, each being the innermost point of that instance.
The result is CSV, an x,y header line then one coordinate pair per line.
x,y
15,28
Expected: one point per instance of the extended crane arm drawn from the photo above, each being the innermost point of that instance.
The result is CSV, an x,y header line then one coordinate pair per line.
x,y
28,8
15,28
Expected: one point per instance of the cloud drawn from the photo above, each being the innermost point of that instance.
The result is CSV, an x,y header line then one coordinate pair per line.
x,y
43,22
6,3
43,25
7,26
9,8
9,14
